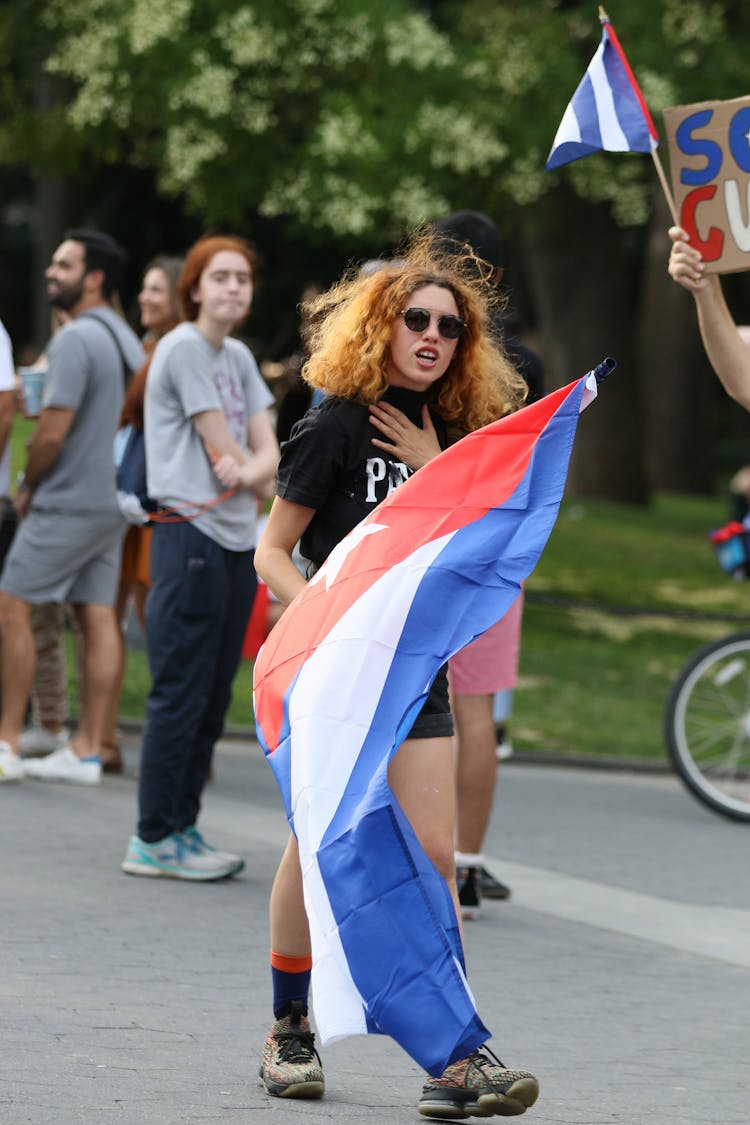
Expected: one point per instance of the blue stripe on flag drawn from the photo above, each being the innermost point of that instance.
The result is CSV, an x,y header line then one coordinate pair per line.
x,y
627,107
398,927
584,108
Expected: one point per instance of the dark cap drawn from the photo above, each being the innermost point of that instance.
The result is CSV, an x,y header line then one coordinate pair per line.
x,y
475,229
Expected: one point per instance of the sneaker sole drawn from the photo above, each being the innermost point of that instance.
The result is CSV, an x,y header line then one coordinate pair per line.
x,y
517,1099
63,780
133,867
496,896
295,1090
451,1111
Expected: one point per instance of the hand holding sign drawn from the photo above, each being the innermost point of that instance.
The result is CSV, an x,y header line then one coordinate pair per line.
x,y
686,265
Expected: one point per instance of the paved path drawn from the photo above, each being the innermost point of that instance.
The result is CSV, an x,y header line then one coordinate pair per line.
x,y
618,972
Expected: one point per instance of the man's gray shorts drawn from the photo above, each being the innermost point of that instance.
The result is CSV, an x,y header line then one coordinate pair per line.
x,y
65,557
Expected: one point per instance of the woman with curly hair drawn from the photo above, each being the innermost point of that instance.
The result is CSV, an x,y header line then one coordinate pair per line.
x,y
406,363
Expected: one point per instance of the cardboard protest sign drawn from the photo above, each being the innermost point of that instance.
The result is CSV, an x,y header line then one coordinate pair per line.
x,y
709,157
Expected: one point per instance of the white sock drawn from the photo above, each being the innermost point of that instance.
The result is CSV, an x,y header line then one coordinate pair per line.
x,y
469,859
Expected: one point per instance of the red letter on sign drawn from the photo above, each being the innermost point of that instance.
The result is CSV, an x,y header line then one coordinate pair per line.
x,y
713,245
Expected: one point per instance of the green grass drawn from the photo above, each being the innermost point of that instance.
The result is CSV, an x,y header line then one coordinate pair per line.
x,y
592,681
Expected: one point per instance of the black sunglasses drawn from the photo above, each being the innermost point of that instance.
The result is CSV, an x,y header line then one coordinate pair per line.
x,y
450,327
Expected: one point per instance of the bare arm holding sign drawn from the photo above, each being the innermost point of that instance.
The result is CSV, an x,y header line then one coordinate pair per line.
x,y
727,354
709,148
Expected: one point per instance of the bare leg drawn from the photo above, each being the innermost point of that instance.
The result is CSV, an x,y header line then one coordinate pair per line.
x,y
49,691
421,776
17,663
101,668
109,738
290,933
476,769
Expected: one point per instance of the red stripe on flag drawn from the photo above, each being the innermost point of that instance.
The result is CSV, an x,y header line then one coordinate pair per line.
x,y
611,34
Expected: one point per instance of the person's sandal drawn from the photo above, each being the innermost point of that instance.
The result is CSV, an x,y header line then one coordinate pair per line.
x,y
111,757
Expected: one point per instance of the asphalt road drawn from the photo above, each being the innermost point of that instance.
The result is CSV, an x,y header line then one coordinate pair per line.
x,y
618,972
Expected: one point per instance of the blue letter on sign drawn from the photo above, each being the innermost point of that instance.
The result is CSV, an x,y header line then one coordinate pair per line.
x,y
690,147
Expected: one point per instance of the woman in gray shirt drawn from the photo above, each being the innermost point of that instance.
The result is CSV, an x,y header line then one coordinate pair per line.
x,y
211,453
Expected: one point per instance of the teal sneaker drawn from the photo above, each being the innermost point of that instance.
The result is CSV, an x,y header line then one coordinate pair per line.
x,y
197,842
173,858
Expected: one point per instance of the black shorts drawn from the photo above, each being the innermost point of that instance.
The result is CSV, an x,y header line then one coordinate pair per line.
x,y
435,719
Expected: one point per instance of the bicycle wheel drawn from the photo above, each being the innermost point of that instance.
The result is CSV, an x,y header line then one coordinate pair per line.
x,y
707,725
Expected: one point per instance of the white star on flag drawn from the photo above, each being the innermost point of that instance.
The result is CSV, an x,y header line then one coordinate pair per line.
x,y
340,553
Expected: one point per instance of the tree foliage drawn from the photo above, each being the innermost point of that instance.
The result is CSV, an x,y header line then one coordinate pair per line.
x,y
357,118
349,122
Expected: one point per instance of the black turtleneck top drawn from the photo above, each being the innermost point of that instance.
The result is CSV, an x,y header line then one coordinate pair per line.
x,y
329,463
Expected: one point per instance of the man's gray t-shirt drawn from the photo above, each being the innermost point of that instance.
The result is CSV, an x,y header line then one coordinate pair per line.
x,y
189,375
86,375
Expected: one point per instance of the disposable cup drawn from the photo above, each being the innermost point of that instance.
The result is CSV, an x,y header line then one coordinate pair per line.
x,y
32,382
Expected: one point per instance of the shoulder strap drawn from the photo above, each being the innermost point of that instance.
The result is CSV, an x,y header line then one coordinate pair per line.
x,y
127,370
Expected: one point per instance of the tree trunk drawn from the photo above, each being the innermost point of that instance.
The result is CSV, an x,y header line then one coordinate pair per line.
x,y
582,283
678,386
50,197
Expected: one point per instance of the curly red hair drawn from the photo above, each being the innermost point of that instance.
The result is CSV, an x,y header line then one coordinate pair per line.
x,y
350,329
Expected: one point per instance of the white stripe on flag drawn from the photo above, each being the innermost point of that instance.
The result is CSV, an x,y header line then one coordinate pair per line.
x,y
613,138
327,733
353,661
339,1008
590,392
569,130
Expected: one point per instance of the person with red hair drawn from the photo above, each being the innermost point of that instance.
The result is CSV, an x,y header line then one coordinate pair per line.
x,y
406,362
211,452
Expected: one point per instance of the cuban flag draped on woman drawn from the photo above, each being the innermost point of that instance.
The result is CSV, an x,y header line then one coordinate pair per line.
x,y
337,686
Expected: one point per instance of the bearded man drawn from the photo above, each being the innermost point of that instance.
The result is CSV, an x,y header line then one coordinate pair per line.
x,y
67,548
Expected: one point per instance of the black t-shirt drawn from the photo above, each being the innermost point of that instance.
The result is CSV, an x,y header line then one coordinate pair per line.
x,y
330,464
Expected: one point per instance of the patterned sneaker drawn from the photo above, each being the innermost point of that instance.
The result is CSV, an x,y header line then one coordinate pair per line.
x,y
469,891
65,765
197,842
290,1066
172,858
11,766
492,887
478,1086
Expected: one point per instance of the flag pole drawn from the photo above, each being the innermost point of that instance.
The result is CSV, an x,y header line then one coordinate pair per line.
x,y
604,18
665,187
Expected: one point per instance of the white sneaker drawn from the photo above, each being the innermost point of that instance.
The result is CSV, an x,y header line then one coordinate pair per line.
x,y
11,766
504,749
37,741
65,765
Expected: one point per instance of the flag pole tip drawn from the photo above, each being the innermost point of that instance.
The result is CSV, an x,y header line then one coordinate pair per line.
x,y
603,17
605,368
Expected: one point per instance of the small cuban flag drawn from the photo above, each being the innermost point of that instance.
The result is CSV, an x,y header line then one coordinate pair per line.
x,y
337,686
607,112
